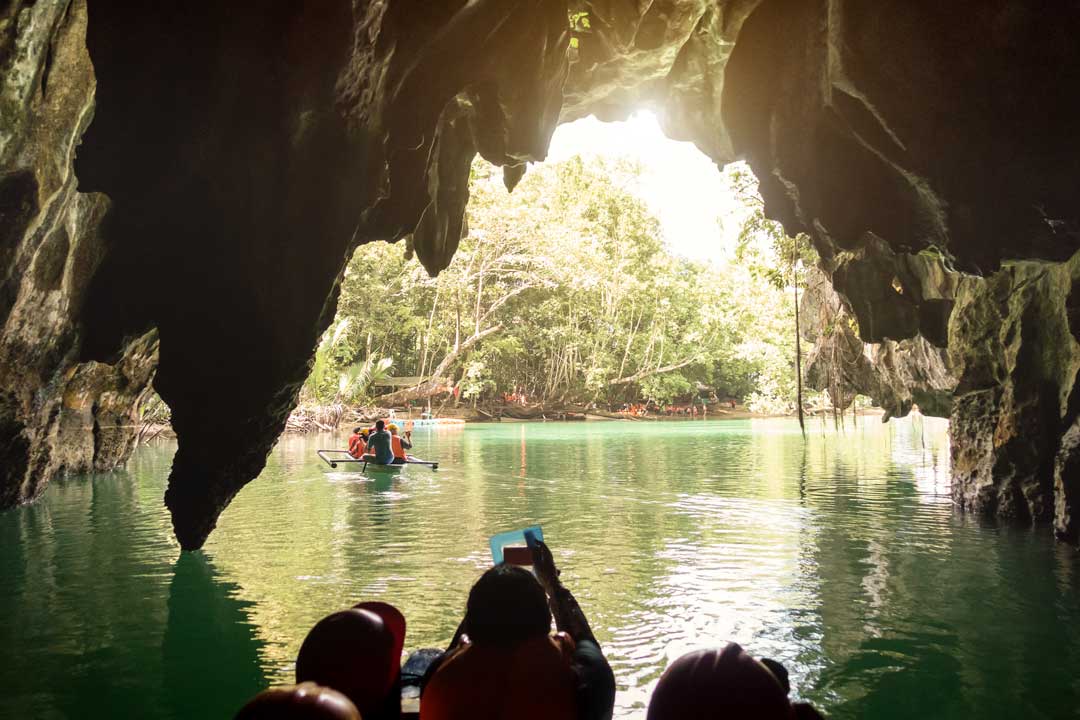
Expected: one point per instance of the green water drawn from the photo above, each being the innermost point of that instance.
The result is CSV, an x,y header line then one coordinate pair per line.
x,y
842,558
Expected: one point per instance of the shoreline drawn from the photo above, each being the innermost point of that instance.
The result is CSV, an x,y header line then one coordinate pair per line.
x,y
470,417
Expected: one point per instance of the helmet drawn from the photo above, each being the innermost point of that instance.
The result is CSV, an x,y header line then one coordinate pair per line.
x,y
392,427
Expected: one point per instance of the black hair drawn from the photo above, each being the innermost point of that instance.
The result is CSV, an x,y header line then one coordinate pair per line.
x,y
379,424
357,430
506,606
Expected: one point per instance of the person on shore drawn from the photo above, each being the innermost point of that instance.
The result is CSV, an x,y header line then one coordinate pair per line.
x,y
725,683
503,662
306,701
357,442
380,448
358,654
399,444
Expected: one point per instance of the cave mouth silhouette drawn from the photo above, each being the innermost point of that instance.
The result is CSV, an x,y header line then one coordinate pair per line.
x,y
233,156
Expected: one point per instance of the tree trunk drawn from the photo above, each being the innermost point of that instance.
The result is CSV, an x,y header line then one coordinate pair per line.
x,y
431,386
798,344
649,372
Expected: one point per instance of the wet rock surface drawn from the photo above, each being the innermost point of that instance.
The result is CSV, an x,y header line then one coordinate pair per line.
x,y
1016,357
239,152
57,415
895,374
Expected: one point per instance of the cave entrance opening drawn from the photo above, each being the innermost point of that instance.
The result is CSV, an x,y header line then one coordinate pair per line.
x,y
625,274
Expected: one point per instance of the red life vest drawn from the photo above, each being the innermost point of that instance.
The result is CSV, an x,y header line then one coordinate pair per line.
x,y
357,445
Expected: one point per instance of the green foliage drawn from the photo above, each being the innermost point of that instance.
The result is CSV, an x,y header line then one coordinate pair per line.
x,y
355,381
772,257
565,290
665,389
579,23
335,376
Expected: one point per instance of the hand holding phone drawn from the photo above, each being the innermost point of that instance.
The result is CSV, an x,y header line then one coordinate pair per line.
x,y
519,543
544,566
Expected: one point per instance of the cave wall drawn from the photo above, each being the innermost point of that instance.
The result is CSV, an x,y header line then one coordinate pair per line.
x,y
1013,346
895,374
57,415
240,151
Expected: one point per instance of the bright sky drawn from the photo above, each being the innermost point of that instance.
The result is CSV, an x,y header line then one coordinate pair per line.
x,y
688,193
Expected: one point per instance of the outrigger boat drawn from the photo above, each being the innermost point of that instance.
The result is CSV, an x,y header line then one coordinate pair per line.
x,y
341,459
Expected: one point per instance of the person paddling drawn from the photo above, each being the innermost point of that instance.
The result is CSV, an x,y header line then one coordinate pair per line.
x,y
380,445
399,444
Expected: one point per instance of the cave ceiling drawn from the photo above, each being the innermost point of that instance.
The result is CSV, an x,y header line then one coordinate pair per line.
x,y
247,148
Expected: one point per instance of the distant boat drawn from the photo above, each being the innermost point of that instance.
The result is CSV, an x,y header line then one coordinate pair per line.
x,y
342,460
430,422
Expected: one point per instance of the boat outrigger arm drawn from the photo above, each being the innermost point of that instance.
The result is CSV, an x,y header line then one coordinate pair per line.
x,y
343,456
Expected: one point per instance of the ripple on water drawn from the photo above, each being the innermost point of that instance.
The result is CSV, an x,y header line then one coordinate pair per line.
x,y
841,557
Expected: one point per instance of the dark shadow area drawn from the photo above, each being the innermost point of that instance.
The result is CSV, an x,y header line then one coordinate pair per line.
x,y
210,652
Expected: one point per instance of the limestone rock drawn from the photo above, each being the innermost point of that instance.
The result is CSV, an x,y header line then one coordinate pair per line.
x,y
894,374
56,415
1013,348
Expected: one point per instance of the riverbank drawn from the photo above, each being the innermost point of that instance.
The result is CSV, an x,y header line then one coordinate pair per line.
x,y
307,419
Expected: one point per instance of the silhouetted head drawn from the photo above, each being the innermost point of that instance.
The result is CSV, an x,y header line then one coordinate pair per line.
x,y
353,652
306,701
779,671
506,606
395,623
727,684
379,425
358,430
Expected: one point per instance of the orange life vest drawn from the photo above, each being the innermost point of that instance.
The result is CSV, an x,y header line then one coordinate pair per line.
x,y
397,447
356,445
531,682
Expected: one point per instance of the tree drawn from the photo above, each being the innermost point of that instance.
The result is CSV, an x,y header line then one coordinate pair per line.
x,y
565,291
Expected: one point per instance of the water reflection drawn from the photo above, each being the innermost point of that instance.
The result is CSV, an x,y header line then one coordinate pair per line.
x,y
210,650
840,556
99,622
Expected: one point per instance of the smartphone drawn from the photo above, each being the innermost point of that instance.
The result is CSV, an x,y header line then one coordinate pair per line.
x,y
515,547
518,555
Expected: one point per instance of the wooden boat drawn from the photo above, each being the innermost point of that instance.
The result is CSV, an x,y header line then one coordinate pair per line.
x,y
342,460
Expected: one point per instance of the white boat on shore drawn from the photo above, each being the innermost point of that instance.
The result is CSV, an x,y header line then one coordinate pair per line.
x,y
430,422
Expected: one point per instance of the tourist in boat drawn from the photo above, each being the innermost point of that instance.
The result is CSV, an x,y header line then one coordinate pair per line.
x,y
503,663
306,701
726,683
358,441
380,447
357,653
399,444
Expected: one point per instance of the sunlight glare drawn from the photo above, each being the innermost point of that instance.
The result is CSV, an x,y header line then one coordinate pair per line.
x,y
697,208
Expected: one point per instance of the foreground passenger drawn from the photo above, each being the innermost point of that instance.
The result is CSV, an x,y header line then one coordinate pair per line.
x,y
504,664
306,701
380,445
725,683
357,653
